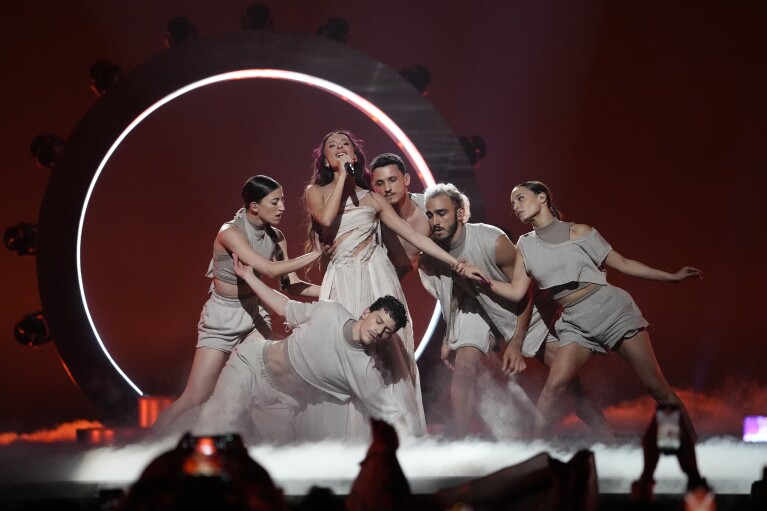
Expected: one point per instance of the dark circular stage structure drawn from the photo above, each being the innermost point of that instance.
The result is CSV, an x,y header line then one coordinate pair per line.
x,y
374,89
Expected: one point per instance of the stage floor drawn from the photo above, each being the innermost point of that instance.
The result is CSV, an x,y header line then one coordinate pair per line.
x,y
69,470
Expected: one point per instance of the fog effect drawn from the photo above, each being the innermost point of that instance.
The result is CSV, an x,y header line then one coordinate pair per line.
x,y
728,463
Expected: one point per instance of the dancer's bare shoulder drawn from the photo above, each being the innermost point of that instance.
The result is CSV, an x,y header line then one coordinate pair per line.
x,y
579,231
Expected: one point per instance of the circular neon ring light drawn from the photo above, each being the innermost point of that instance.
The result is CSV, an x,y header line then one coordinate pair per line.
x,y
373,112
410,120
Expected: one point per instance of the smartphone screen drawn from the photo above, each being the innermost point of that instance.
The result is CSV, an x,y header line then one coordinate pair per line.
x,y
668,440
755,428
205,459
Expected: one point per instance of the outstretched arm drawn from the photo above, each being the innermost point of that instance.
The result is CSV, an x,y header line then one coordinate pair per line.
x,y
517,288
296,286
641,270
392,220
235,243
274,300
635,268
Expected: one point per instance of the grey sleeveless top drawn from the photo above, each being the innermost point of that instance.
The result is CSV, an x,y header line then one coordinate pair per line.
x,y
222,265
478,247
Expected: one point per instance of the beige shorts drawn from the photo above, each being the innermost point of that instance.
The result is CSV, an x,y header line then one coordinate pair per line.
x,y
470,328
600,320
226,321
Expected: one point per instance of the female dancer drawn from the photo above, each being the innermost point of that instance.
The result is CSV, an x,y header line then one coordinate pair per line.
x,y
232,310
346,214
565,258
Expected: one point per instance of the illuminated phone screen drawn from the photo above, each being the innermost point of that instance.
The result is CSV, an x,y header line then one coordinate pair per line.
x,y
755,428
668,429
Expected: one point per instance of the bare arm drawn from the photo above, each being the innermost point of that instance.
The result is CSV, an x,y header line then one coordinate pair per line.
x,y
513,360
296,286
323,211
636,268
444,353
392,220
506,255
641,270
274,300
235,243
515,290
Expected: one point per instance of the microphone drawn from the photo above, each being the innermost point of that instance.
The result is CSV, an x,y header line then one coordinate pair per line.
x,y
349,168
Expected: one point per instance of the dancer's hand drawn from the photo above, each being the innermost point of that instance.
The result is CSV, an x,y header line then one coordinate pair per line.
x,y
241,269
688,272
329,249
444,354
513,361
317,245
473,272
458,266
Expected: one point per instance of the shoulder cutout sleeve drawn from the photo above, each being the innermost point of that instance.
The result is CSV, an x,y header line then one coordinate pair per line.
x,y
595,246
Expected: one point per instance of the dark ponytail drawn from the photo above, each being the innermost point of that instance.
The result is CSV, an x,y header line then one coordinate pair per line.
x,y
537,187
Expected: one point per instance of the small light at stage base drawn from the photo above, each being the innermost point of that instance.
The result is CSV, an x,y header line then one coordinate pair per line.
x,y
150,407
99,437
755,428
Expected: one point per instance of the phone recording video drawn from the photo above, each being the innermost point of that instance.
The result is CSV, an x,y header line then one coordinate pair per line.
x,y
669,428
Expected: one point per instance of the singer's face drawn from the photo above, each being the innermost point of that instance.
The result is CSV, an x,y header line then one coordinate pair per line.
x,y
390,182
339,150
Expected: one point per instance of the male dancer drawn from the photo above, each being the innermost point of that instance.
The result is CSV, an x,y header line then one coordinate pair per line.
x,y
391,179
266,383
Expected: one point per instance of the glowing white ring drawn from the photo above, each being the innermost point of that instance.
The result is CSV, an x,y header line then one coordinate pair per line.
x,y
373,112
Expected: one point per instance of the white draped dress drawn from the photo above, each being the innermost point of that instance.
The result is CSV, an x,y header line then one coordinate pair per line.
x,y
357,275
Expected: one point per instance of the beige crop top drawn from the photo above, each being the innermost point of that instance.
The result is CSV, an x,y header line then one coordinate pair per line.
x,y
563,267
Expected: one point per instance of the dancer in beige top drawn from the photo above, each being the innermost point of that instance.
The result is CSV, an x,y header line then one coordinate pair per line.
x,y
565,259
232,310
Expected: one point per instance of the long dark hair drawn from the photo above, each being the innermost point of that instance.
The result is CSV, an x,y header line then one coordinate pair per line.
x,y
323,174
537,187
254,190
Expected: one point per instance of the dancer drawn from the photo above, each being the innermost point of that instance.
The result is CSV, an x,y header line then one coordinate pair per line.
x,y
391,179
232,310
344,213
265,383
478,320
565,259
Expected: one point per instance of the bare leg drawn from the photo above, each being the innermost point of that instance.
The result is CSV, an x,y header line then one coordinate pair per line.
x,y
462,390
564,367
206,368
642,489
584,406
638,352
